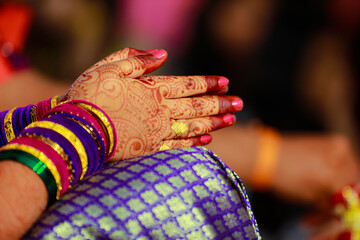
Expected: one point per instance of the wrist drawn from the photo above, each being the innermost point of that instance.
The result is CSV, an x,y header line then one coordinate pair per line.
x,y
266,158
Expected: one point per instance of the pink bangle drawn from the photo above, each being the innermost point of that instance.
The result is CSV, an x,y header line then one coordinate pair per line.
x,y
52,155
106,122
42,108
79,112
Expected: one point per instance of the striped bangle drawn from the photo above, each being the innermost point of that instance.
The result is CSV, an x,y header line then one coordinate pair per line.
x,y
37,166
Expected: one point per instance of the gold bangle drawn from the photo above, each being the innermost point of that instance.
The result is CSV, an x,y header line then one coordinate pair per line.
x,y
8,126
33,116
59,151
54,101
71,137
104,120
42,157
267,157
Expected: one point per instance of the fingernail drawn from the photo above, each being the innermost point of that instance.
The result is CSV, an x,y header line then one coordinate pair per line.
x,y
205,139
229,119
237,104
223,82
152,50
159,53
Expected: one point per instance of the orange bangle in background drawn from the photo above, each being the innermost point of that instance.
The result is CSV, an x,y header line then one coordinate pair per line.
x,y
266,159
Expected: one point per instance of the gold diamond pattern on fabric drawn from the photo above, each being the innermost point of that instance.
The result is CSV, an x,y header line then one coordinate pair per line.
x,y
173,194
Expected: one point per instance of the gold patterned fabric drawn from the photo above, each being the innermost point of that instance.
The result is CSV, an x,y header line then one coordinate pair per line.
x,y
175,194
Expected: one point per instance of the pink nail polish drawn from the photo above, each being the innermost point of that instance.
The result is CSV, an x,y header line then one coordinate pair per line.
x,y
159,54
237,104
223,82
228,119
205,139
152,50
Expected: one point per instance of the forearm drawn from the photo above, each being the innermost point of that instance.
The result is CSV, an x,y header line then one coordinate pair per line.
x,y
23,198
237,146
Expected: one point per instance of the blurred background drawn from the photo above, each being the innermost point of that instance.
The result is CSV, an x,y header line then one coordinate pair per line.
x,y
294,63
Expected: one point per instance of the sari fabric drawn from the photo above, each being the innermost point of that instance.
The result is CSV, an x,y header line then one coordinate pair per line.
x,y
175,194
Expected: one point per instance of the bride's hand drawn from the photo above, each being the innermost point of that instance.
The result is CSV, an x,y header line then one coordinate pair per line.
x,y
147,109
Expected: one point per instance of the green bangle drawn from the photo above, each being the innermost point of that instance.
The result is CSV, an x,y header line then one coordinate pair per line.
x,y
37,166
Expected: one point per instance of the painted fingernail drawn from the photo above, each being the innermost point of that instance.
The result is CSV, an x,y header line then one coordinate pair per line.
x,y
159,53
152,50
237,104
223,82
205,139
229,119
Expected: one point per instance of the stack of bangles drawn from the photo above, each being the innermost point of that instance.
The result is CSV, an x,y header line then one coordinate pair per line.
x,y
69,142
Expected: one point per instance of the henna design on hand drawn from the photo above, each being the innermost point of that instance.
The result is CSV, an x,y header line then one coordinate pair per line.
x,y
144,109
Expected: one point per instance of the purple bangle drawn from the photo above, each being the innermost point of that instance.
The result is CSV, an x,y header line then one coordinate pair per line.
x,y
26,115
81,115
3,136
17,120
109,119
102,153
52,155
85,138
64,144
42,108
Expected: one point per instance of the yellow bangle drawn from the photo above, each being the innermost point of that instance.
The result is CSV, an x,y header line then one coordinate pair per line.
x,y
267,157
54,101
42,157
105,121
71,137
57,148
8,126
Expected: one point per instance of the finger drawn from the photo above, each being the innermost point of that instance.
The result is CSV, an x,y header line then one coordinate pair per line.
x,y
200,126
117,56
189,142
149,60
133,67
222,91
183,86
203,106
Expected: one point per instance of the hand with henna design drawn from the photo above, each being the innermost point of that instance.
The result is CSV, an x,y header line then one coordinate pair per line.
x,y
144,108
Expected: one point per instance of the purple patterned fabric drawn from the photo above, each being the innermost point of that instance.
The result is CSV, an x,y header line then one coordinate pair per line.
x,y
175,194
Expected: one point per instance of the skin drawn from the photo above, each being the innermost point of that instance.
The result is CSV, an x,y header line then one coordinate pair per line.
x,y
315,166
146,108
111,84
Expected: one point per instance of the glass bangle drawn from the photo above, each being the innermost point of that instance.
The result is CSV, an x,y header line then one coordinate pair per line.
x,y
37,166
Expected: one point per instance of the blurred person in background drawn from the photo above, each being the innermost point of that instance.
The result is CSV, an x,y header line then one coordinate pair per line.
x,y
296,56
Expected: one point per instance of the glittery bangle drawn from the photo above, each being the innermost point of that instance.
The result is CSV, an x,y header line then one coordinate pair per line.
x,y
81,115
29,115
74,164
16,121
58,149
8,126
54,101
88,122
2,127
51,154
89,145
105,120
42,108
37,166
42,157
73,139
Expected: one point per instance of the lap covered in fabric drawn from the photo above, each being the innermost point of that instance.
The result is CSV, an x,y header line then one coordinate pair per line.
x,y
175,194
